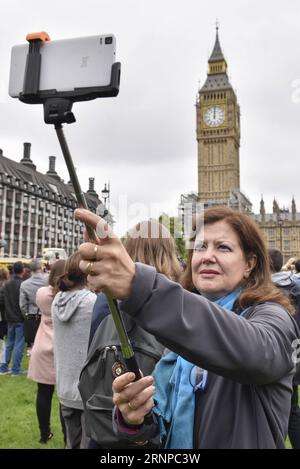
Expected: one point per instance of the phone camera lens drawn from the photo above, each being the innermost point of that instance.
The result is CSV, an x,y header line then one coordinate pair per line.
x,y
108,40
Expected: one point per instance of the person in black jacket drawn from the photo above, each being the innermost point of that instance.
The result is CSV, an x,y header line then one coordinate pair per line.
x,y
237,338
15,324
285,282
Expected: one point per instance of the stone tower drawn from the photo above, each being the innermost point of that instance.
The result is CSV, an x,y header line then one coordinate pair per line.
x,y
218,136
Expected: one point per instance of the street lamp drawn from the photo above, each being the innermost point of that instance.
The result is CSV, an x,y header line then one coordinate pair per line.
x,y
105,193
280,222
181,209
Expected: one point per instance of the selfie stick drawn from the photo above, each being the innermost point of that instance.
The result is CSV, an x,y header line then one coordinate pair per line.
x,y
58,111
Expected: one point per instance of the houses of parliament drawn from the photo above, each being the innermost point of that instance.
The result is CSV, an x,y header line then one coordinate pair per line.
x,y
218,137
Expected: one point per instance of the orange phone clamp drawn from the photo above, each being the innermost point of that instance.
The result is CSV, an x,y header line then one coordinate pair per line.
x,y
56,110
33,63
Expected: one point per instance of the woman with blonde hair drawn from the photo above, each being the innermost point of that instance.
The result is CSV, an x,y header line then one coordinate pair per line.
x,y
151,243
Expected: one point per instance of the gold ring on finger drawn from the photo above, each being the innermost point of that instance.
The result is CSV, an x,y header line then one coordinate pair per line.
x,y
131,407
90,269
95,252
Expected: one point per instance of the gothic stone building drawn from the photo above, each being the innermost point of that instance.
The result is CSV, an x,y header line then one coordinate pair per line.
x,y
37,210
218,137
281,228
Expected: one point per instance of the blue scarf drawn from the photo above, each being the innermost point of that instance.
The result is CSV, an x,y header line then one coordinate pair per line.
x,y
175,396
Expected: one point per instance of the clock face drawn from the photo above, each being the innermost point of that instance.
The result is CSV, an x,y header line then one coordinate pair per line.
x,y
214,116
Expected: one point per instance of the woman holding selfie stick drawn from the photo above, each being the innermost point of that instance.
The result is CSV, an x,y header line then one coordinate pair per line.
x,y
236,338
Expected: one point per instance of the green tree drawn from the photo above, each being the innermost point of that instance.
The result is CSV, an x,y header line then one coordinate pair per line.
x,y
174,225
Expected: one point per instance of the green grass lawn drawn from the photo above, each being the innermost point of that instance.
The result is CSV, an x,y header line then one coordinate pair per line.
x,y
18,421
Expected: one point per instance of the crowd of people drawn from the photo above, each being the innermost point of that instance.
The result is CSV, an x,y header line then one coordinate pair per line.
x,y
216,339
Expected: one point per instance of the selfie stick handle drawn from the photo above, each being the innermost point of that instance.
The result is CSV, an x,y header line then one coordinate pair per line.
x,y
73,176
126,347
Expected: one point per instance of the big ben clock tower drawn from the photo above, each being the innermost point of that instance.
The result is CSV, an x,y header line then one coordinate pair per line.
x,y
218,136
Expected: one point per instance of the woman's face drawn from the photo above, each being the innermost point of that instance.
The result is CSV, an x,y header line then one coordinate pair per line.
x,y
218,263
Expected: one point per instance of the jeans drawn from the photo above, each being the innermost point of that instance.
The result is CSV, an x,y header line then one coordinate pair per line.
x,y
14,342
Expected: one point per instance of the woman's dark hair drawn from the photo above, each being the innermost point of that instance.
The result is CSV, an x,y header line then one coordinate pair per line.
x,y
275,260
297,266
258,287
57,270
73,277
18,268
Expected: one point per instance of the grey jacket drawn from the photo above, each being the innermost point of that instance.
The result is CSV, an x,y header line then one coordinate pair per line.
x,y
249,360
71,314
28,292
282,279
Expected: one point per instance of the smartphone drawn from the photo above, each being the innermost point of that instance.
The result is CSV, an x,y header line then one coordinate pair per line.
x,y
66,64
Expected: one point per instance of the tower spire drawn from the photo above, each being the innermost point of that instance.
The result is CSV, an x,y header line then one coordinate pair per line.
x,y
262,209
276,209
217,54
294,209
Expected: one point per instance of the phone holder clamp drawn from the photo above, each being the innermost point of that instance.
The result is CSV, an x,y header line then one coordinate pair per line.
x,y
58,111
58,104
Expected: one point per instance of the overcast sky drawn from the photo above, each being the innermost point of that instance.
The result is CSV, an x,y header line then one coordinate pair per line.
x,y
144,140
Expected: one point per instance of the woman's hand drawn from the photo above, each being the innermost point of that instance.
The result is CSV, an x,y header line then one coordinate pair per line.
x,y
107,263
133,398
289,264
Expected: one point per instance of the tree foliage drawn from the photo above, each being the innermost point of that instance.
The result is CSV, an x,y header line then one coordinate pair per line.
x,y
174,225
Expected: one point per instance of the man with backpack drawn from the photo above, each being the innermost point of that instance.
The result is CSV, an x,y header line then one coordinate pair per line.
x,y
285,282
27,301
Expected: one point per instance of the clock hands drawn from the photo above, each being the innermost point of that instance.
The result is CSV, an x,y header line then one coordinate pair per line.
x,y
214,116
